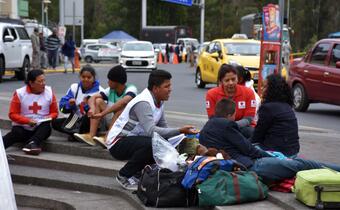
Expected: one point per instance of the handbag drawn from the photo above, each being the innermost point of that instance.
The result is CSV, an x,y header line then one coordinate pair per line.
x,y
76,123
227,188
160,187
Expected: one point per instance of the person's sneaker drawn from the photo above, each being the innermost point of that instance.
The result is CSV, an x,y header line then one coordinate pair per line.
x,y
31,148
85,138
127,183
100,140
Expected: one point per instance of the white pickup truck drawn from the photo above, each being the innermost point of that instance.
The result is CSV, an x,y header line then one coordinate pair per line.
x,y
15,48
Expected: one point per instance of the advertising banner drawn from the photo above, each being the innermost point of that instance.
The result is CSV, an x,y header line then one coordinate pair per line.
x,y
271,23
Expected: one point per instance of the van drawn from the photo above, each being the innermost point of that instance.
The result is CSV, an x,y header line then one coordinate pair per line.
x,y
15,48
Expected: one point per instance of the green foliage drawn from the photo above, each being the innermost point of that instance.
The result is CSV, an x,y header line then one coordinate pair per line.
x,y
310,19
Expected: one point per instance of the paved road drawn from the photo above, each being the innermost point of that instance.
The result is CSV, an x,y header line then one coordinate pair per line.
x,y
185,97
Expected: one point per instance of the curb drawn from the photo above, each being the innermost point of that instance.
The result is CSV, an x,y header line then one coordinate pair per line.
x,y
7,124
46,71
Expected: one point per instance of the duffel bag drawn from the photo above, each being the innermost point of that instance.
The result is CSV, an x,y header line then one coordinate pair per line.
x,y
318,188
162,188
227,188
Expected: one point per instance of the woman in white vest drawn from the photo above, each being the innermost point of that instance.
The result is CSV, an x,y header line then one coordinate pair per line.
x,y
31,111
76,99
131,134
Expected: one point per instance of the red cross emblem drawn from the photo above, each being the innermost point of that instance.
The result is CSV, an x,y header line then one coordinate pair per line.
x,y
35,107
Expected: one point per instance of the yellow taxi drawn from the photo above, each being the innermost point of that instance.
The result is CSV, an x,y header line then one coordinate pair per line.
x,y
238,50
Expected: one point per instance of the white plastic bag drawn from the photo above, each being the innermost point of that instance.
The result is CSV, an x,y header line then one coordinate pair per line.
x,y
165,155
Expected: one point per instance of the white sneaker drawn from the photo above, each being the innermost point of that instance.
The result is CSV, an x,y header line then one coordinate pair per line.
x,y
85,138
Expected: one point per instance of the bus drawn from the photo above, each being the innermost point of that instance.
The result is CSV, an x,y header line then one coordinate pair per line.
x,y
164,34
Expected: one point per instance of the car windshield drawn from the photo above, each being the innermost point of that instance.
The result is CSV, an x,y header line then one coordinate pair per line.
x,y
242,48
138,47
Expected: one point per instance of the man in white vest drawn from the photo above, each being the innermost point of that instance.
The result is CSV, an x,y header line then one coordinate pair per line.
x,y
131,135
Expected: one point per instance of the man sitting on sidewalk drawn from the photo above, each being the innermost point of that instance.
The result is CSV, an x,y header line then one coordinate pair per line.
x,y
131,135
117,95
221,132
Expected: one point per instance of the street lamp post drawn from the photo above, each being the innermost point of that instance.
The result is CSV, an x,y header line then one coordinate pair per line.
x,y
44,12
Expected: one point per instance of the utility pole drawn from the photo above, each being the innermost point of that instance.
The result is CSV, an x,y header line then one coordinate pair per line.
x,y
202,6
144,8
282,12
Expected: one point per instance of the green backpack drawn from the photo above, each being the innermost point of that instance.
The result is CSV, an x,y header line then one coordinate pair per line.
x,y
227,188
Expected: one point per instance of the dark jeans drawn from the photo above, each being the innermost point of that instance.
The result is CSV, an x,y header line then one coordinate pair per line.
x,y
52,58
137,150
19,134
273,169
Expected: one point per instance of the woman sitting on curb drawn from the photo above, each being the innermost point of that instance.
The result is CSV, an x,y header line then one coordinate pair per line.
x,y
277,127
76,99
32,109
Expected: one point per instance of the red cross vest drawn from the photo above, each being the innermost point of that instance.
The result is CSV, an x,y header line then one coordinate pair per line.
x,y
34,106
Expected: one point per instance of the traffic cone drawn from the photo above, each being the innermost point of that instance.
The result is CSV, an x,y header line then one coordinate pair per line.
x,y
160,59
165,59
175,59
76,60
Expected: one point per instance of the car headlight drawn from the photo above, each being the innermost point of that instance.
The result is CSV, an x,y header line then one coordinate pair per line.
x,y
234,63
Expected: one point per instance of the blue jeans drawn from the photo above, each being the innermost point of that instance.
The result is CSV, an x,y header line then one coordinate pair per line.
x,y
272,169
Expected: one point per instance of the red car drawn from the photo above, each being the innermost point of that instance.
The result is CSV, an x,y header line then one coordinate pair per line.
x,y
316,77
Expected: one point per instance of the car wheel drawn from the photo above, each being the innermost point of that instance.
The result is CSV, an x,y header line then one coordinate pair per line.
x,y
88,59
22,73
2,68
198,79
300,98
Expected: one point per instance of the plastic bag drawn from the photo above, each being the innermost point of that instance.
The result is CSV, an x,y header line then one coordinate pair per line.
x,y
165,155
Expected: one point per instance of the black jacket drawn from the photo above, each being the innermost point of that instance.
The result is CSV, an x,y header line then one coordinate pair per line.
x,y
224,134
277,128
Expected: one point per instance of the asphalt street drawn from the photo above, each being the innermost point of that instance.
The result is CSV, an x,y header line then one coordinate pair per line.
x,y
187,102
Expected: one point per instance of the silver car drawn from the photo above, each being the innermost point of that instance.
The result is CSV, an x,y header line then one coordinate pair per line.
x,y
101,52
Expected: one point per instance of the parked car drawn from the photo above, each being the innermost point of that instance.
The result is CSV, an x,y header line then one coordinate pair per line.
x,y
234,51
316,76
15,48
159,47
100,52
138,55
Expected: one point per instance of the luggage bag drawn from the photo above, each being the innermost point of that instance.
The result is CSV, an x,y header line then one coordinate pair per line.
x,y
319,188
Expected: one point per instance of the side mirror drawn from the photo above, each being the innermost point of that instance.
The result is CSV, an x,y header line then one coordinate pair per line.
x,y
8,38
215,55
337,64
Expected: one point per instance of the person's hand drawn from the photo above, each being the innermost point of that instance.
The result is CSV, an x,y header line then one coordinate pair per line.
x,y
72,101
98,115
90,113
32,123
188,129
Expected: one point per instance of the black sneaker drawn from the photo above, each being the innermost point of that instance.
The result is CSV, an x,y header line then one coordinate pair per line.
x,y
31,148
128,183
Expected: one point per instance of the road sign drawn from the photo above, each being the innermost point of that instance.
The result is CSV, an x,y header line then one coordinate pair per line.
x,y
74,12
183,2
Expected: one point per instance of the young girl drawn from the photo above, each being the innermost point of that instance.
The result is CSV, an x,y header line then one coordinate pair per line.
x,y
75,101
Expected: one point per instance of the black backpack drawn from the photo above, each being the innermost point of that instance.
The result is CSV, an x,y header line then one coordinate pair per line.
x,y
162,188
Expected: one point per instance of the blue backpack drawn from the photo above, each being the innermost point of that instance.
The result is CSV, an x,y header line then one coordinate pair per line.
x,y
202,167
